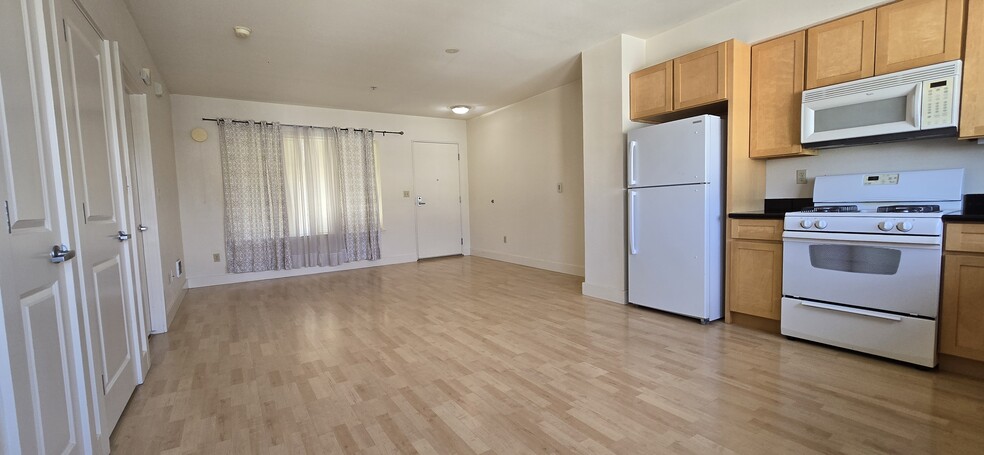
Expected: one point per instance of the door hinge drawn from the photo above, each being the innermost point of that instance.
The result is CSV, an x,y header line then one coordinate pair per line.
x,y
85,216
64,30
104,384
462,241
6,209
459,157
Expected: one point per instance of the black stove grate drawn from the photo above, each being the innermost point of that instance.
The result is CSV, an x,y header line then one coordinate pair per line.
x,y
909,209
831,209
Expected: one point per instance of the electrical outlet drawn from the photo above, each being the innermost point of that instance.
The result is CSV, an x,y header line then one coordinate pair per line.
x,y
503,239
801,176
215,257
406,194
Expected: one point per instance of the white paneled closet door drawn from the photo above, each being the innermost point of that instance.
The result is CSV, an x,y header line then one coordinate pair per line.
x,y
91,141
40,355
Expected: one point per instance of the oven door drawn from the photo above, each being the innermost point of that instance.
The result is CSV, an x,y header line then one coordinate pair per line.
x,y
898,274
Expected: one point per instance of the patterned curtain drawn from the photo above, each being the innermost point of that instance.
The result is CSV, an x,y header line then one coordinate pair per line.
x,y
256,228
360,221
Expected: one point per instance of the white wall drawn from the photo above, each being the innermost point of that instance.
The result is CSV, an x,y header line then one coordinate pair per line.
x,y
900,156
605,72
517,156
200,178
115,23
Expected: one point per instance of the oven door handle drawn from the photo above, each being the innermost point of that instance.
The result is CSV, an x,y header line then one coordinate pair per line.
x,y
908,241
857,311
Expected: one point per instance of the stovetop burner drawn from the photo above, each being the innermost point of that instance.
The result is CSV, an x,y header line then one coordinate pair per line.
x,y
831,209
909,209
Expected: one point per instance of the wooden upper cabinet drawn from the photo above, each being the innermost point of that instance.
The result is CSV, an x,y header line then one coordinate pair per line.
x,y
701,77
777,88
914,33
651,91
841,50
972,104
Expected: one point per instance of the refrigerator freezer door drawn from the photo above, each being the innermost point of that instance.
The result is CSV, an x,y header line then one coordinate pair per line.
x,y
674,153
669,251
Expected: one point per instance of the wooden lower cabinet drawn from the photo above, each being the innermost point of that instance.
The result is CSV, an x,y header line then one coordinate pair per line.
x,y
755,278
962,309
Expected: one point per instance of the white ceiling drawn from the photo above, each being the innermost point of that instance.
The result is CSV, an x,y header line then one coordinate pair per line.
x,y
329,52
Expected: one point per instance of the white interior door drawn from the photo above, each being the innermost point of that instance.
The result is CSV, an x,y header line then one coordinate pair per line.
x,y
438,199
40,354
92,142
139,318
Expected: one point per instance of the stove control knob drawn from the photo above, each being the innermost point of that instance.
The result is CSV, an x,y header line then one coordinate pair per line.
x,y
886,225
806,224
820,224
904,226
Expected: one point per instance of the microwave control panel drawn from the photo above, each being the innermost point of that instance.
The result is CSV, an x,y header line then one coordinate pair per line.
x,y
937,103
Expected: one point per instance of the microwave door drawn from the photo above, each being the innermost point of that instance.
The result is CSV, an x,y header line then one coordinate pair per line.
x,y
869,113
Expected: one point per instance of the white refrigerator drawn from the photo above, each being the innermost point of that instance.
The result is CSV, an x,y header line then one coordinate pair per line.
x,y
675,192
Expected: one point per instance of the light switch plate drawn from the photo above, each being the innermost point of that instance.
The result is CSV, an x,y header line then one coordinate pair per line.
x,y
406,194
215,257
801,176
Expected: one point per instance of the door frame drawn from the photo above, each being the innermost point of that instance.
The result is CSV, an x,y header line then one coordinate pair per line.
x,y
461,194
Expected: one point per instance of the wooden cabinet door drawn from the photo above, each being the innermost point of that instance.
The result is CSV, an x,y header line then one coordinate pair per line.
x,y
777,88
841,50
962,310
651,91
972,104
914,33
701,77
755,278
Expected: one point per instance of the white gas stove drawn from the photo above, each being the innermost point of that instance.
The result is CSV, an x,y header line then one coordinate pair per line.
x,y
861,269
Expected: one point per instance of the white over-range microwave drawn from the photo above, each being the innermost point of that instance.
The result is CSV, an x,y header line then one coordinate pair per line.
x,y
917,103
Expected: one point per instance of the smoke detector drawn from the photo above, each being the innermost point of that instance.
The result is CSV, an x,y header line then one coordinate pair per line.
x,y
242,31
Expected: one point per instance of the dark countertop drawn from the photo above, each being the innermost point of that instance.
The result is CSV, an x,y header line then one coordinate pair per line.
x,y
757,215
775,209
960,217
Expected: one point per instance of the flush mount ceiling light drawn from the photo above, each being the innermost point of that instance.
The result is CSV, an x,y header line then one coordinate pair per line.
x,y
452,50
460,109
242,31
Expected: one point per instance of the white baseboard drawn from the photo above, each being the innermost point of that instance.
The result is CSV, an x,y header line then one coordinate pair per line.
x,y
173,309
232,278
604,293
531,262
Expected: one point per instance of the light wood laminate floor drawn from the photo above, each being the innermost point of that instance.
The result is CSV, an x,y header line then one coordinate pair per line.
x,y
469,355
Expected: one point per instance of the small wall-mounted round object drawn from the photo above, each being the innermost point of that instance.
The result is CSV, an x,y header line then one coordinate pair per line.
x,y
242,31
199,134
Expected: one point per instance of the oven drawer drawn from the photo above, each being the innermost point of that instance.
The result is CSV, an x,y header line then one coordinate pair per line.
x,y
897,337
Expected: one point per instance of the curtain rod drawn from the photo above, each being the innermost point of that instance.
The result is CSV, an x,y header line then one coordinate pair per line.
x,y
384,133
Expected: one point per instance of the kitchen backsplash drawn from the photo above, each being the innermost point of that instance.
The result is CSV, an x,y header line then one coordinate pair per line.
x,y
944,153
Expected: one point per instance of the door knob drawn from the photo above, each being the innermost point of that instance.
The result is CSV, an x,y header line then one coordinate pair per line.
x,y
61,253
420,201
123,236
142,228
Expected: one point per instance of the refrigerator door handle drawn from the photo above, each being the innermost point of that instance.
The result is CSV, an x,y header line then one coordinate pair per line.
x,y
633,150
633,206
